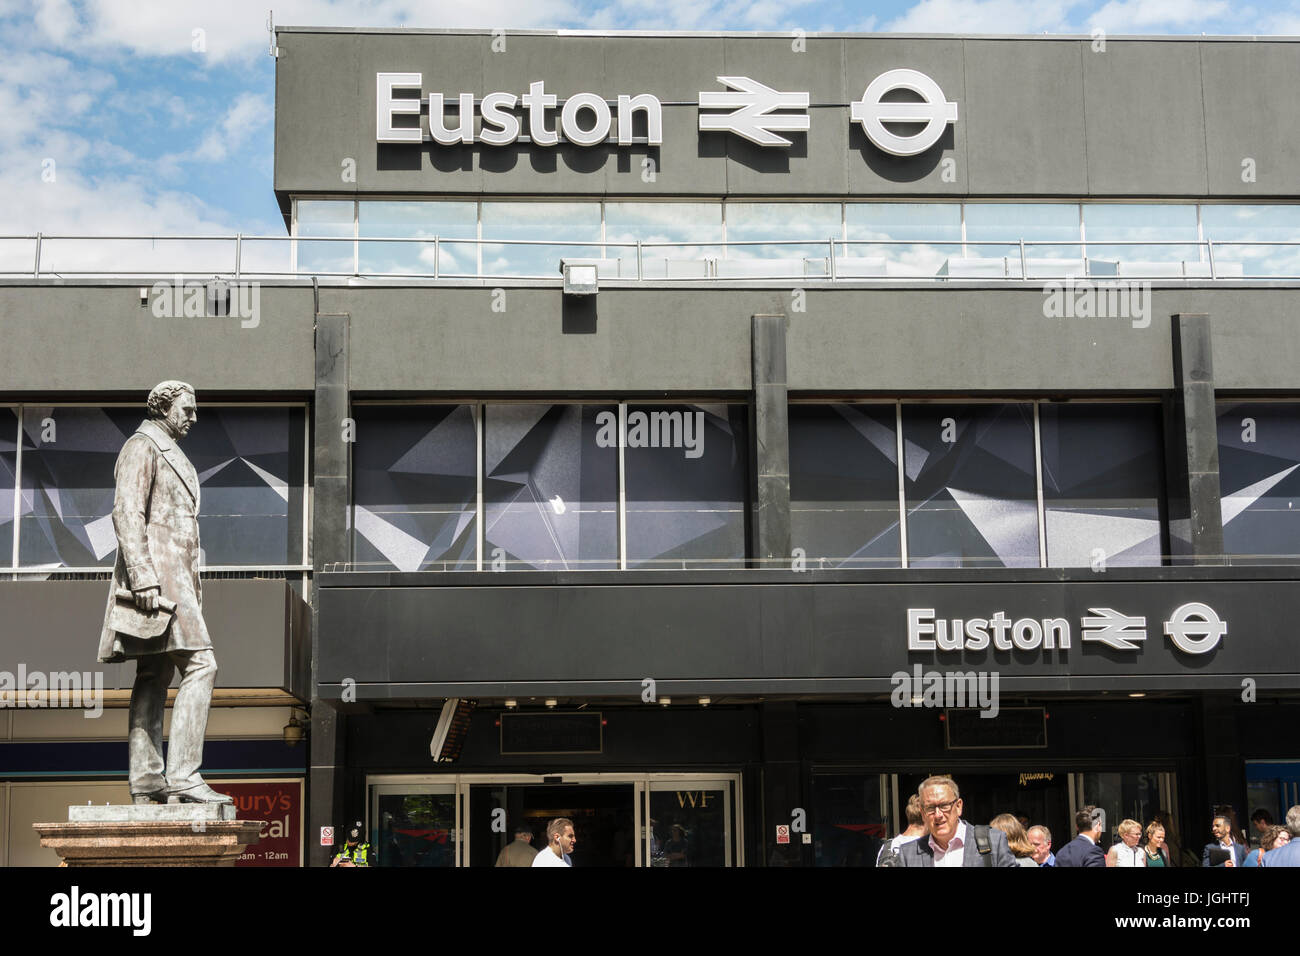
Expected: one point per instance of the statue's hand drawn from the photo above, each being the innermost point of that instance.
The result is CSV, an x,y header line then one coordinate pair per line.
x,y
147,599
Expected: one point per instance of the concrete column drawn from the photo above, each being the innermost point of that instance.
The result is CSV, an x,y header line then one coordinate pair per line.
x,y
770,443
330,545
1195,467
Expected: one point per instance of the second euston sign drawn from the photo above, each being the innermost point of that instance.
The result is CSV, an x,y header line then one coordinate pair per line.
x,y
754,111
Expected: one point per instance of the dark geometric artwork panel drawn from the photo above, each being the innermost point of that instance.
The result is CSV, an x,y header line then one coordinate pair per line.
x,y
250,463
1259,478
844,485
1103,475
8,464
550,487
972,487
686,485
415,487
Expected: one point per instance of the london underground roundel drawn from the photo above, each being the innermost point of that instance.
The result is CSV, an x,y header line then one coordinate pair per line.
x,y
933,110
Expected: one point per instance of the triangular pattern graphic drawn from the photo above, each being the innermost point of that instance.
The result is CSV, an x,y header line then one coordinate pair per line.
x,y
1010,526
1237,502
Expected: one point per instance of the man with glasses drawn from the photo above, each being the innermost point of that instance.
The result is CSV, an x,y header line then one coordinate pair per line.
x,y
950,840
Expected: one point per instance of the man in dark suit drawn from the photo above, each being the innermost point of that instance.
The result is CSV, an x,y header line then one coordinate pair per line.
x,y
950,841
1083,849
1223,840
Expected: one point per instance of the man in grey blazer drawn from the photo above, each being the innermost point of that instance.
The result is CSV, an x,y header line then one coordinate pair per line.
x,y
950,840
156,518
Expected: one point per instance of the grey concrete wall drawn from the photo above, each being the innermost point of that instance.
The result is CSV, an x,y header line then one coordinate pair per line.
x,y
256,629
1036,116
653,340
100,339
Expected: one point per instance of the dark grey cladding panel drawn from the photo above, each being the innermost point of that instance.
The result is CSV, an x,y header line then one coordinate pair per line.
x,y
809,638
1158,117
54,626
107,342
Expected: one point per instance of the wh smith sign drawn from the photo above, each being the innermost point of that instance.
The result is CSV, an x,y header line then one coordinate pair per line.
x,y
747,108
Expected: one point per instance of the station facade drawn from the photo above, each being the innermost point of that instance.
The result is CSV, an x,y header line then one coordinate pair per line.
x,y
707,437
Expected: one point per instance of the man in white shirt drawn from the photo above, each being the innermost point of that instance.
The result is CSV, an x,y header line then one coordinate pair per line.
x,y
560,839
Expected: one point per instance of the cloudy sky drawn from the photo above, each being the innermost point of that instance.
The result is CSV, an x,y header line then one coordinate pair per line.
x,y
155,118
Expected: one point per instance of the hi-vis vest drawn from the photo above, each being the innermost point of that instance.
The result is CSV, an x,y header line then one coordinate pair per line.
x,y
358,855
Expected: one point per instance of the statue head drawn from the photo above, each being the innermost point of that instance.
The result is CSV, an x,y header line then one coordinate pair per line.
x,y
172,405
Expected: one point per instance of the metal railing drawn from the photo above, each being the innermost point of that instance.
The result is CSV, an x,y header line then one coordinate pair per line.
x,y
252,257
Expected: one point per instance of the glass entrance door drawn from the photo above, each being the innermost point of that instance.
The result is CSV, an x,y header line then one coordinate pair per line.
x,y
415,824
689,823
1129,796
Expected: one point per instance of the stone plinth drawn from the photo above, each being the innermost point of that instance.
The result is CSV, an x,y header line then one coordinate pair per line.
x,y
186,834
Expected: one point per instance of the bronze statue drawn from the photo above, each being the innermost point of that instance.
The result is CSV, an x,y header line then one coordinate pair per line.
x,y
155,603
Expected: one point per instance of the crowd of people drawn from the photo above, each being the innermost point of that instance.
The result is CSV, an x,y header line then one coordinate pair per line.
x,y
936,835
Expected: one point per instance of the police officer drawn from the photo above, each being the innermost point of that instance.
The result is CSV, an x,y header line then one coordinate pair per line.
x,y
353,852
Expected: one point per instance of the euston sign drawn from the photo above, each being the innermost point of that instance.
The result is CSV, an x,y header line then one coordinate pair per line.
x,y
587,119
1193,628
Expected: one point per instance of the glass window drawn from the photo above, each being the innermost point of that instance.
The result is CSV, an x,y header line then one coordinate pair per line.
x,y
325,219
550,486
415,487
8,464
250,463
418,220
1034,223
1102,479
972,488
927,235
67,476
1173,225
844,485
250,467
1227,224
662,222
686,485
850,818
759,221
538,221
1124,796
1259,477
690,824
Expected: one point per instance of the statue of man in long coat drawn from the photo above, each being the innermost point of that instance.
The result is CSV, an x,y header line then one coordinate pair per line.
x,y
155,603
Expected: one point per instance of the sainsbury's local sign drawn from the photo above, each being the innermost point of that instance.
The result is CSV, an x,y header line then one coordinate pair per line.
x,y
747,108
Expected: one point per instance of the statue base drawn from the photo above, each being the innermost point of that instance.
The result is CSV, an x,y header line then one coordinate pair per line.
x,y
183,834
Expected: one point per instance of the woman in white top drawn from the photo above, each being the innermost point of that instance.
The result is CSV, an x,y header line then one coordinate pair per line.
x,y
1127,852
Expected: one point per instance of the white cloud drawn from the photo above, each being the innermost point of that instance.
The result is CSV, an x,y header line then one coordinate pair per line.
x,y
237,28
984,16
1146,16
247,114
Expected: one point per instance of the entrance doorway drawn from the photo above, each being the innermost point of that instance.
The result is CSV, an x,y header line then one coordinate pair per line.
x,y
602,816
1039,797
620,820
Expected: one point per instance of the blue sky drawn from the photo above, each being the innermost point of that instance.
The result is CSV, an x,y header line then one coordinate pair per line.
x,y
118,116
